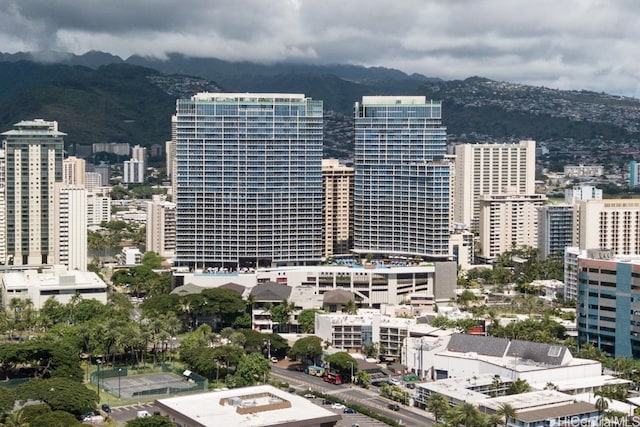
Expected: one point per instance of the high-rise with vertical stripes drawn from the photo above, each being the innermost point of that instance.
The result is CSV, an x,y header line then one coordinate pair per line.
x,y
249,180
33,151
402,185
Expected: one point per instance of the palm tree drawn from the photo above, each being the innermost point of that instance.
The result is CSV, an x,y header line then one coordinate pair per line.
x,y
507,411
601,403
519,386
466,414
437,404
350,307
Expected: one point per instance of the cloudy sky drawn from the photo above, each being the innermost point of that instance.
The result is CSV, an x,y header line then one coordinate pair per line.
x,y
565,44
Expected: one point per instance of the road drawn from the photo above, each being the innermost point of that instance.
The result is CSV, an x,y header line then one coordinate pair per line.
x,y
367,398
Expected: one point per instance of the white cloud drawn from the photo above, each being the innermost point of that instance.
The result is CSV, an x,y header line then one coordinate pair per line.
x,y
571,44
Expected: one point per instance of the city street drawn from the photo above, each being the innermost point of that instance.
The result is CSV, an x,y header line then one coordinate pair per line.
x,y
408,416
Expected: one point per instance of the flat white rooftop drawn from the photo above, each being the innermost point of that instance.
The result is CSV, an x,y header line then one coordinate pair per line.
x,y
583,383
262,405
531,400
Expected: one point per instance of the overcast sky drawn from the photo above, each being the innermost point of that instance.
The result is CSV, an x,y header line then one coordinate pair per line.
x,y
565,44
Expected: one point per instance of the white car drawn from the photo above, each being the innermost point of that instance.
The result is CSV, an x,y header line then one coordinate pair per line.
x,y
274,359
337,406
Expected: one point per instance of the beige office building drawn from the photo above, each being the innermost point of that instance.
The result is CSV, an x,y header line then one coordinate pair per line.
x,y
485,169
161,227
337,207
73,171
508,221
608,224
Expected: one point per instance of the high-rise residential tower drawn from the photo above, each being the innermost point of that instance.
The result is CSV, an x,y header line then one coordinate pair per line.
x,y
486,169
249,180
73,171
161,226
70,209
337,187
34,151
402,179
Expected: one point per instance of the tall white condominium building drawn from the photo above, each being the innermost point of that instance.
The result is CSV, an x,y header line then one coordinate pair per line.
x,y
634,174
161,227
402,180
92,180
581,171
571,271
99,205
139,153
73,171
3,211
555,230
34,152
581,193
491,169
508,221
133,171
337,187
608,224
249,180
70,208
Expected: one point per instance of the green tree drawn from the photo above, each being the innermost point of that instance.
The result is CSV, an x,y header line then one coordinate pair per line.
x,y
343,363
7,400
438,405
350,307
519,386
307,319
281,314
153,421
506,411
61,394
252,368
306,349
55,419
465,414
152,260
363,378
602,404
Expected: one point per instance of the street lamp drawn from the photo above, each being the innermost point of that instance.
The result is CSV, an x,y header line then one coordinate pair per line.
x,y
119,373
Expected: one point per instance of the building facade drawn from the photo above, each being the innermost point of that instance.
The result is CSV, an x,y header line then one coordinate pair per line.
x,y
580,193
609,302
508,221
249,180
555,230
33,152
634,174
73,171
337,206
133,171
161,227
611,223
402,188
485,169
98,205
70,209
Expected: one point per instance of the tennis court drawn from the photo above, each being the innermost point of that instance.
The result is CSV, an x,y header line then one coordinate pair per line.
x,y
129,387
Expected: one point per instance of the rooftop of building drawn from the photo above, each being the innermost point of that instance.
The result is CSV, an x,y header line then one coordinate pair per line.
x,y
57,276
530,400
250,406
366,317
562,412
460,388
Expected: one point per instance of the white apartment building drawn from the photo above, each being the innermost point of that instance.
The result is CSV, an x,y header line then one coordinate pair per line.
x,y
571,270
353,332
337,207
98,205
56,282
133,171
130,256
140,154
70,210
580,193
73,171
161,226
92,180
583,171
608,224
485,169
508,221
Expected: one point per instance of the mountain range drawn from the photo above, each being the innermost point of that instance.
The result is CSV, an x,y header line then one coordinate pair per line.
x,y
99,97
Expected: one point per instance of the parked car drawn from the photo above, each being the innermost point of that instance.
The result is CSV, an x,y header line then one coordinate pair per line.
x,y
338,406
106,408
349,411
393,381
274,359
411,386
327,402
393,407
310,396
291,390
